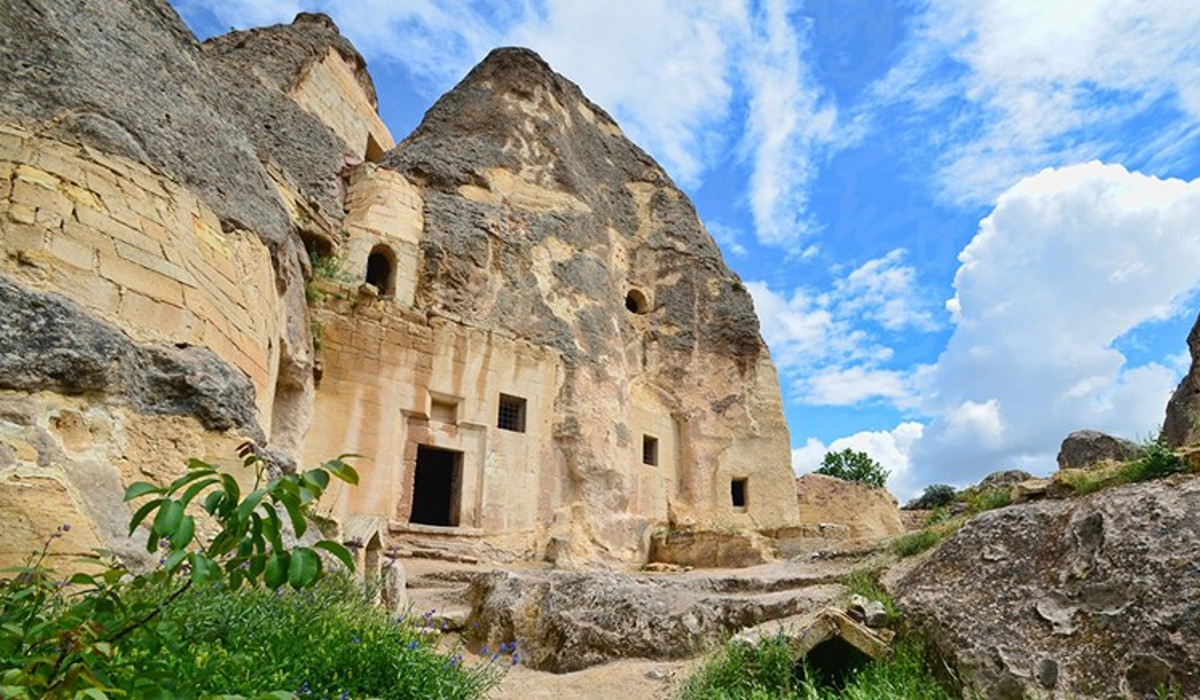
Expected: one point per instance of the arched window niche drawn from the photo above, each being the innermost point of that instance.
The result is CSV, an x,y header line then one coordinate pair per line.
x,y
381,270
636,302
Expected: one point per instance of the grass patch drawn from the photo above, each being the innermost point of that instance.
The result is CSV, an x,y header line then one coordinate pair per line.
x,y
328,641
916,542
766,671
864,582
1157,461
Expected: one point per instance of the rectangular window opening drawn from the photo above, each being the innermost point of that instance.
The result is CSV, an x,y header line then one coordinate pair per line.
x,y
512,413
737,493
650,450
444,411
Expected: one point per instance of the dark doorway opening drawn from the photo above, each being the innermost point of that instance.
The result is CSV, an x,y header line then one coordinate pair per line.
x,y
437,487
380,265
832,663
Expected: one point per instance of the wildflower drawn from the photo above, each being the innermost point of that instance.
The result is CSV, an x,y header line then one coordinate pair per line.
x,y
413,645
516,659
66,527
484,651
355,639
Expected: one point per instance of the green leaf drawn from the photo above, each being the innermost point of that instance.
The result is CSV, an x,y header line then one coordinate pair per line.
x,y
203,568
189,478
304,568
231,488
174,559
292,505
197,487
212,501
276,572
168,518
139,489
183,536
343,555
318,478
247,506
194,463
341,470
142,512
272,528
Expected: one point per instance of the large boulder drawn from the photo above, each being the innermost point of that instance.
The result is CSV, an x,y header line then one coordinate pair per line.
x,y
867,512
1088,448
1090,597
1181,426
567,621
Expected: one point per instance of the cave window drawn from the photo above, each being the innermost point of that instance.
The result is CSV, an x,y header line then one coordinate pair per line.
x,y
737,493
381,269
650,450
636,302
512,413
374,150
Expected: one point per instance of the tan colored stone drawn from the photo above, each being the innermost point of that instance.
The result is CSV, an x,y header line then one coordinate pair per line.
x,y
867,512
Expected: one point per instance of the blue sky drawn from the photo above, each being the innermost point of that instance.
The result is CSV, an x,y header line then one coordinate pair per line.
x,y
969,228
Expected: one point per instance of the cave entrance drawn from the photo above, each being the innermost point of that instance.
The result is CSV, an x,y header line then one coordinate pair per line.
x,y
832,663
437,487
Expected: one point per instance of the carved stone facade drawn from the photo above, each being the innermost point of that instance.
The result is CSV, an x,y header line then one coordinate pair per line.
x,y
515,318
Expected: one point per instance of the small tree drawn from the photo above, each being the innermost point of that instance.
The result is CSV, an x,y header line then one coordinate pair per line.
x,y
850,465
935,496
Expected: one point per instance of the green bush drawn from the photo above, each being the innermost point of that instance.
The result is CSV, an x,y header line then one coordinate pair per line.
x,y
935,496
979,501
203,623
328,641
850,465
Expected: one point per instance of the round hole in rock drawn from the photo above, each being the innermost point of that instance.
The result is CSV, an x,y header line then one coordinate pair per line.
x,y
636,302
832,663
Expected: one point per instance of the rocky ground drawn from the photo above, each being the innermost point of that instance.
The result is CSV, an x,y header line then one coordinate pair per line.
x,y
616,633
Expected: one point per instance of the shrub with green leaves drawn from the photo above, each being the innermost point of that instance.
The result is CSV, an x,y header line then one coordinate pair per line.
x,y
214,618
916,542
850,465
935,496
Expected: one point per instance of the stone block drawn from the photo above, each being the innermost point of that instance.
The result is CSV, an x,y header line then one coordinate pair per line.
x,y
140,279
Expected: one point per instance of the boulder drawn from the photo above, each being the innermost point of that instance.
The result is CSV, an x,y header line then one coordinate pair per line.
x,y
567,621
1004,478
867,512
1181,426
1088,448
1074,597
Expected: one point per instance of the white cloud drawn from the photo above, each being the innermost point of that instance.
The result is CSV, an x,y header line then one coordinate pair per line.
x,y
1044,83
829,345
728,237
790,120
1068,261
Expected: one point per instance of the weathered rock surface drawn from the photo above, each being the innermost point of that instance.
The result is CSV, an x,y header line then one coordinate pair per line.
x,y
1182,423
50,344
1004,478
1088,448
1092,597
567,621
867,512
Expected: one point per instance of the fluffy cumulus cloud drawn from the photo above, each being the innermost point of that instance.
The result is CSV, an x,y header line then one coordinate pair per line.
x,y
1031,83
685,80
831,345
1068,262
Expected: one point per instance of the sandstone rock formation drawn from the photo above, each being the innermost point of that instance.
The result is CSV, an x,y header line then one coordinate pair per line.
x,y
1088,448
867,512
569,621
531,337
1182,423
1097,596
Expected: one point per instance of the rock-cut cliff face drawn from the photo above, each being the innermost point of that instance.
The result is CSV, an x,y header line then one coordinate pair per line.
x,y
1182,424
550,354
543,220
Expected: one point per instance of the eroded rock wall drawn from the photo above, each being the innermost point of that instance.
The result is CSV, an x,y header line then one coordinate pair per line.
x,y
541,219
1090,597
1182,424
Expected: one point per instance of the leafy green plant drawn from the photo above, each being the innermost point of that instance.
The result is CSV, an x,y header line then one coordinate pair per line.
x,y
865,583
935,496
79,636
338,645
850,465
981,500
